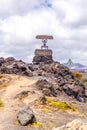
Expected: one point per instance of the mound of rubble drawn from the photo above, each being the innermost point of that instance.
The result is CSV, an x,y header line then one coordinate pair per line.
x,y
58,79
55,77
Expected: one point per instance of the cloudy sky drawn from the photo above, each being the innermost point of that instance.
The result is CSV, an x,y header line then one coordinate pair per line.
x,y
22,20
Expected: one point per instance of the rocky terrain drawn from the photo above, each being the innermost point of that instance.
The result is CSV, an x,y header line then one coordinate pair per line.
x,y
44,95
55,77
12,66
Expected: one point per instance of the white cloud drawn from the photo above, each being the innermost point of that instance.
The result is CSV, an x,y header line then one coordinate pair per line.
x,y
21,21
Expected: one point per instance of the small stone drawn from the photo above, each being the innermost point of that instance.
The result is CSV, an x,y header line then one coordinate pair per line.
x,y
80,99
43,100
23,93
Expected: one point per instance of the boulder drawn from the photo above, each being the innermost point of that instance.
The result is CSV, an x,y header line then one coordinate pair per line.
x,y
46,87
25,116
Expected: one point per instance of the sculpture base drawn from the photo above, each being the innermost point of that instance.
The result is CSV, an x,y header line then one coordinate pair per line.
x,y
43,55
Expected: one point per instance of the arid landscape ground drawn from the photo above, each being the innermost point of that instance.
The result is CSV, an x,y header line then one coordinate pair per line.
x,y
47,116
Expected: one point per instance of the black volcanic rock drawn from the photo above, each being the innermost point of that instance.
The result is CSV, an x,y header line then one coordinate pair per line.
x,y
47,88
12,66
9,59
1,60
44,59
56,78
63,78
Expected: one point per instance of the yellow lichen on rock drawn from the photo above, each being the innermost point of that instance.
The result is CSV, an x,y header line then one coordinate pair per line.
x,y
61,105
52,104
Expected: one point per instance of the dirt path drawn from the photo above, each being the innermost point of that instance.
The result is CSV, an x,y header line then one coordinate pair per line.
x,y
17,84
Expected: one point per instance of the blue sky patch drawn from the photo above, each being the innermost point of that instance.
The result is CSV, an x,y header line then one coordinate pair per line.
x,y
46,3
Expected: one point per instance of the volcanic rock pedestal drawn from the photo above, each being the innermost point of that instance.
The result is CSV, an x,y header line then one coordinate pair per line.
x,y
43,55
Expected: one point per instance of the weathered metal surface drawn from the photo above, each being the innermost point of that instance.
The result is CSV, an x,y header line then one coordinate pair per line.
x,y
40,52
44,37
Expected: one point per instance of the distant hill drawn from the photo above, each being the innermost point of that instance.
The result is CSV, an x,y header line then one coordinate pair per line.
x,y
75,66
